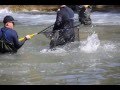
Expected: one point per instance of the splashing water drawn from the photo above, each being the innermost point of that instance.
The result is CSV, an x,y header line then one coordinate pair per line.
x,y
58,51
5,11
109,47
91,45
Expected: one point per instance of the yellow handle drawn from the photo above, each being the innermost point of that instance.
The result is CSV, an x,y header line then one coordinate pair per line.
x,y
29,35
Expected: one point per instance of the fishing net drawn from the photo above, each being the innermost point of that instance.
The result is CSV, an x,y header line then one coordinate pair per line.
x,y
48,33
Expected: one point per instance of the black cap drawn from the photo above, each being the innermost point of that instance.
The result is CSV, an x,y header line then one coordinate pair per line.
x,y
8,19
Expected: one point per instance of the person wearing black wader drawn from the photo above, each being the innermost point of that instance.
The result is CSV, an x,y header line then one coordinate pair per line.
x,y
9,42
64,22
84,12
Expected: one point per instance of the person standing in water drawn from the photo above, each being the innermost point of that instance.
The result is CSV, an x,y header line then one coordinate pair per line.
x,y
9,42
84,14
64,22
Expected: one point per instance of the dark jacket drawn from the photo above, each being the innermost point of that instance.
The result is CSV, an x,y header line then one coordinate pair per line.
x,y
64,18
11,36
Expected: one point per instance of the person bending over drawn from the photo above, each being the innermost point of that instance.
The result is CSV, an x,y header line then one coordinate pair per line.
x,y
63,31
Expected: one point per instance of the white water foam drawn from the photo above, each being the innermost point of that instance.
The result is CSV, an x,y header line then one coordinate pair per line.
x,y
109,47
57,51
102,18
26,18
5,11
105,18
91,45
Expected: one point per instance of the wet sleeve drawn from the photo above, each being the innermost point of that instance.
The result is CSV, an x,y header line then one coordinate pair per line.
x,y
58,21
16,42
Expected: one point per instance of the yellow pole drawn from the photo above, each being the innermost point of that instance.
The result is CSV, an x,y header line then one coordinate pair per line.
x,y
31,36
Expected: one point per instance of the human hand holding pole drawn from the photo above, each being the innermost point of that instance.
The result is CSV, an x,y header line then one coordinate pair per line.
x,y
32,35
28,37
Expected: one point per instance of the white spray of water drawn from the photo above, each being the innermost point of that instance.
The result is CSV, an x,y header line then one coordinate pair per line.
x,y
109,47
5,11
91,45
58,51
106,18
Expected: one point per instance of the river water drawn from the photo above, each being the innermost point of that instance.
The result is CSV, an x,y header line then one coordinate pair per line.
x,y
94,60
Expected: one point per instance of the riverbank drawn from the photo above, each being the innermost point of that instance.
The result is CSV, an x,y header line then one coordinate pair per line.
x,y
48,8
16,8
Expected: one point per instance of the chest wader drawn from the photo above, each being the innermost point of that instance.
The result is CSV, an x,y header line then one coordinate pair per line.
x,y
5,46
57,39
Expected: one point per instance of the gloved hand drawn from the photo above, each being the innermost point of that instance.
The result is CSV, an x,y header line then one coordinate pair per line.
x,y
27,37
